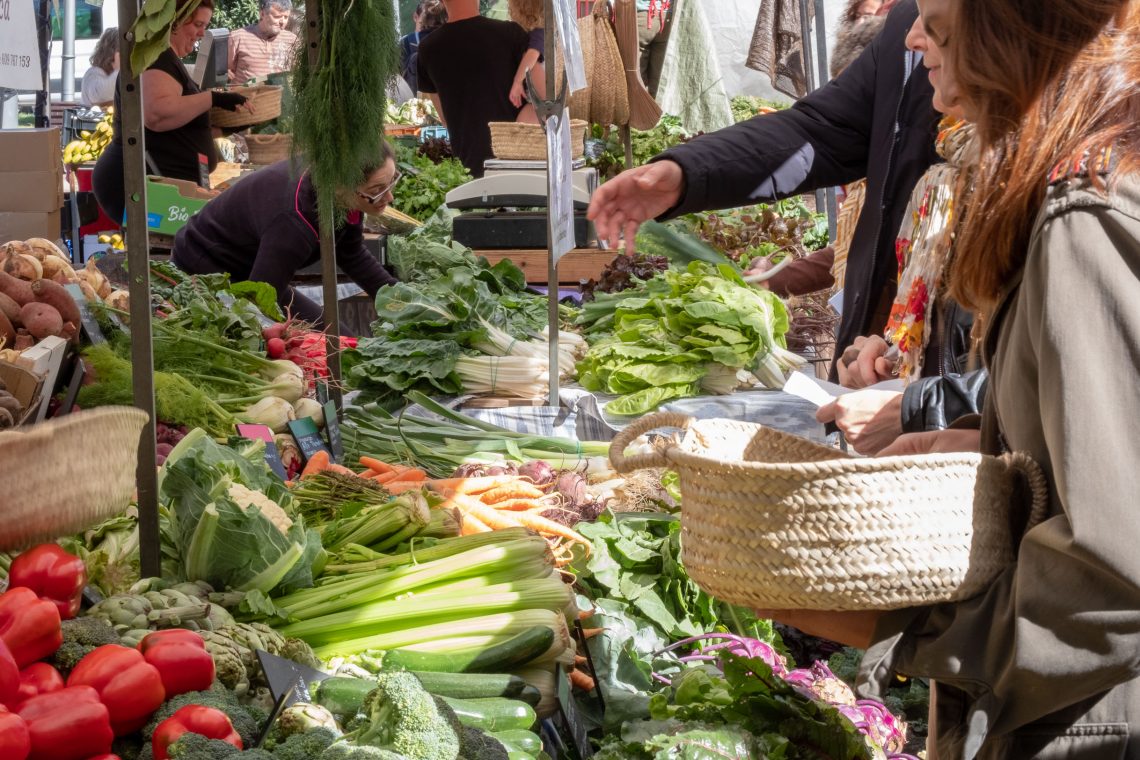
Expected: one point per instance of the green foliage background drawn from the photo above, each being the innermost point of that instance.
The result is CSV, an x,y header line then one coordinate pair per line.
x,y
235,14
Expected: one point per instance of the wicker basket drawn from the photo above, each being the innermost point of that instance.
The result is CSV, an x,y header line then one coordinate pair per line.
x,y
774,521
68,474
268,149
527,142
265,100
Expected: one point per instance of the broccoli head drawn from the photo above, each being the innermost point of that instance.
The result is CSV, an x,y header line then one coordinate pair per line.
x,y
80,636
304,746
246,721
198,747
405,718
346,751
480,745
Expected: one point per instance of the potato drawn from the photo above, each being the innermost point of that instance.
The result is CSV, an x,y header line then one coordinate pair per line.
x,y
16,289
24,266
41,320
9,308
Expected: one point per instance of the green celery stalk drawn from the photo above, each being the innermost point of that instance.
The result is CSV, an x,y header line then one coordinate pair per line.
x,y
433,551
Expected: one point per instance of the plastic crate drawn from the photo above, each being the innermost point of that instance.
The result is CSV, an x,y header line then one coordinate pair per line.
x,y
431,133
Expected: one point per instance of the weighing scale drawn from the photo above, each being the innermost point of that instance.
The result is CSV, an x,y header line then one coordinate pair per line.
x,y
495,206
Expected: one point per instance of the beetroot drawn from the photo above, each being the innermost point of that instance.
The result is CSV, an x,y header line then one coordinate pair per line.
x,y
572,486
538,471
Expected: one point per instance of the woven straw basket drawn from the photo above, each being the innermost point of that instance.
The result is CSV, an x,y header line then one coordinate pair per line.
x,y
268,149
774,521
265,100
67,474
527,142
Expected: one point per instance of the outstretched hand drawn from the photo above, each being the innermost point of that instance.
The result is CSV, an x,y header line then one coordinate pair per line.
x,y
635,196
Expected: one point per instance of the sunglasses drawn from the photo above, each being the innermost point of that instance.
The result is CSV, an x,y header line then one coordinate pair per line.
x,y
374,199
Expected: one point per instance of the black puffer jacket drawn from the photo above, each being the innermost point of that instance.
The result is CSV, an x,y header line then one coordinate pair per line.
x,y
875,120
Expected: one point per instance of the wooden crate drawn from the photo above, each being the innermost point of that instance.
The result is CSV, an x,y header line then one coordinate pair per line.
x,y
577,265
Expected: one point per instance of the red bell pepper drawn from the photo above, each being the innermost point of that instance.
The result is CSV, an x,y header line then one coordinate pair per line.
x,y
129,686
9,684
181,659
36,679
196,719
29,626
54,574
107,756
69,724
15,744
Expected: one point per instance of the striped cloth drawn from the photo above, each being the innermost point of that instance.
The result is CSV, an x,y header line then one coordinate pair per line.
x,y
251,56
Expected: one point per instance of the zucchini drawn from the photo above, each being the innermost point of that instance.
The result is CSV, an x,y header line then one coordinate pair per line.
x,y
514,754
512,653
473,685
493,714
520,741
343,696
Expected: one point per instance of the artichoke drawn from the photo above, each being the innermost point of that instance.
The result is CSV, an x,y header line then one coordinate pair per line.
x,y
301,717
229,665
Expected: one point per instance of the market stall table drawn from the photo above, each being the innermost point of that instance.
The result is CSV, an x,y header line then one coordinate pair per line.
x,y
575,267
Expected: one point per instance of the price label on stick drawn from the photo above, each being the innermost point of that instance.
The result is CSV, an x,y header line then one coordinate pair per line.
x,y
569,712
272,455
332,429
322,392
308,438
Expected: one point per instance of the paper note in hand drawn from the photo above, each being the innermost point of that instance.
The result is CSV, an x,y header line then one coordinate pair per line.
x,y
817,392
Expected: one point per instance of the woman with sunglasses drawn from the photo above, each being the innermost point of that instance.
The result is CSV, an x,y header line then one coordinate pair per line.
x,y
264,228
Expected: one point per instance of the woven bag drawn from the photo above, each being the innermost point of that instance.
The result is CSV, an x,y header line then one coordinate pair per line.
x,y
609,93
265,99
515,141
774,521
67,474
578,103
268,149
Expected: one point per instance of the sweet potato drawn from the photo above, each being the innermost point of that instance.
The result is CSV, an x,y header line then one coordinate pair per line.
x,y
23,265
16,289
53,294
7,331
41,320
24,340
9,308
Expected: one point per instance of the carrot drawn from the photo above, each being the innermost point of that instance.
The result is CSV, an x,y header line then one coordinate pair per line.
x,y
519,489
589,633
521,505
393,475
491,517
318,462
469,486
413,474
375,464
397,487
334,467
472,525
581,680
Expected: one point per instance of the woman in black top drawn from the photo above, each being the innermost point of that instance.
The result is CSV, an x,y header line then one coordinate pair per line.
x,y
264,228
176,114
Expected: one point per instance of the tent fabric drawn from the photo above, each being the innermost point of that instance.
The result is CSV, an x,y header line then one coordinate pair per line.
x,y
777,49
691,84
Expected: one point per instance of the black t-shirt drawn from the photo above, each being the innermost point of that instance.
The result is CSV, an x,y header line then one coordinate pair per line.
x,y
471,64
175,151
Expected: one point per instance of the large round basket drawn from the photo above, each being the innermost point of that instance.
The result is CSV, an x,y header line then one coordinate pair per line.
x,y
774,521
268,149
265,100
527,142
67,474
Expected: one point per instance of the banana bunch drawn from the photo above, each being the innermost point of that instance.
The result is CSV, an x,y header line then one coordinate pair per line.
x,y
90,144
115,241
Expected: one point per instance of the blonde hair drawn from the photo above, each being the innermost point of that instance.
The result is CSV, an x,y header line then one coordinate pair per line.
x,y
526,13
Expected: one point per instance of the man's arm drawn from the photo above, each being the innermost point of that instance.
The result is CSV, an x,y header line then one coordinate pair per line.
x,y
821,141
232,47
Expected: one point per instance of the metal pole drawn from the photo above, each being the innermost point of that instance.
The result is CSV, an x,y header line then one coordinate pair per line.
x,y
325,214
67,73
810,80
138,262
821,54
549,53
627,142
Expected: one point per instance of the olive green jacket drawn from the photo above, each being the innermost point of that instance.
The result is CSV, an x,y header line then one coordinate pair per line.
x,y
1046,663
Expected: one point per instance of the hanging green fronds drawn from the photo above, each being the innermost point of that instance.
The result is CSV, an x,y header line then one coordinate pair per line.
x,y
341,98
152,30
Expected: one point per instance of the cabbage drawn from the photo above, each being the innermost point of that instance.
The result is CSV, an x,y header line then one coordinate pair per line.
x,y
224,543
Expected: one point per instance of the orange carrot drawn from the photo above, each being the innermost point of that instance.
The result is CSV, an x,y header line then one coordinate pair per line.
x,y
493,518
375,464
339,468
397,487
521,505
413,474
519,489
317,463
395,474
581,680
469,486
472,525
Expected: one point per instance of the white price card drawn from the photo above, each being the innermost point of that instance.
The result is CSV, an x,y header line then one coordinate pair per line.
x,y
566,24
19,51
559,180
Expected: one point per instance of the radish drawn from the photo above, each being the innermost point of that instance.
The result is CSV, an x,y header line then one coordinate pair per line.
x,y
275,348
276,331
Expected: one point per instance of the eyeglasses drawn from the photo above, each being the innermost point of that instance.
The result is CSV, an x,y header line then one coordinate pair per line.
x,y
374,199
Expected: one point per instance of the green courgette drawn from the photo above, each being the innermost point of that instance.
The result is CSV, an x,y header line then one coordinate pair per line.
x,y
343,696
473,685
493,714
519,740
512,653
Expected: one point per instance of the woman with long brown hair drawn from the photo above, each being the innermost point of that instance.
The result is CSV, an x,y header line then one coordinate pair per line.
x,y
1046,663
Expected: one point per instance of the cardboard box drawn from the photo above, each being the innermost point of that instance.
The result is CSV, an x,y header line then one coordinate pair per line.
x,y
25,385
28,192
30,150
45,360
21,226
171,202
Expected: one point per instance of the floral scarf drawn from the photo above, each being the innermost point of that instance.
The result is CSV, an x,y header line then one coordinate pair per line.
x,y
924,246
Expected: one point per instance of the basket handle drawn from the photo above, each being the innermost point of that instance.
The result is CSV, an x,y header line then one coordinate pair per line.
x,y
621,441
1035,480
